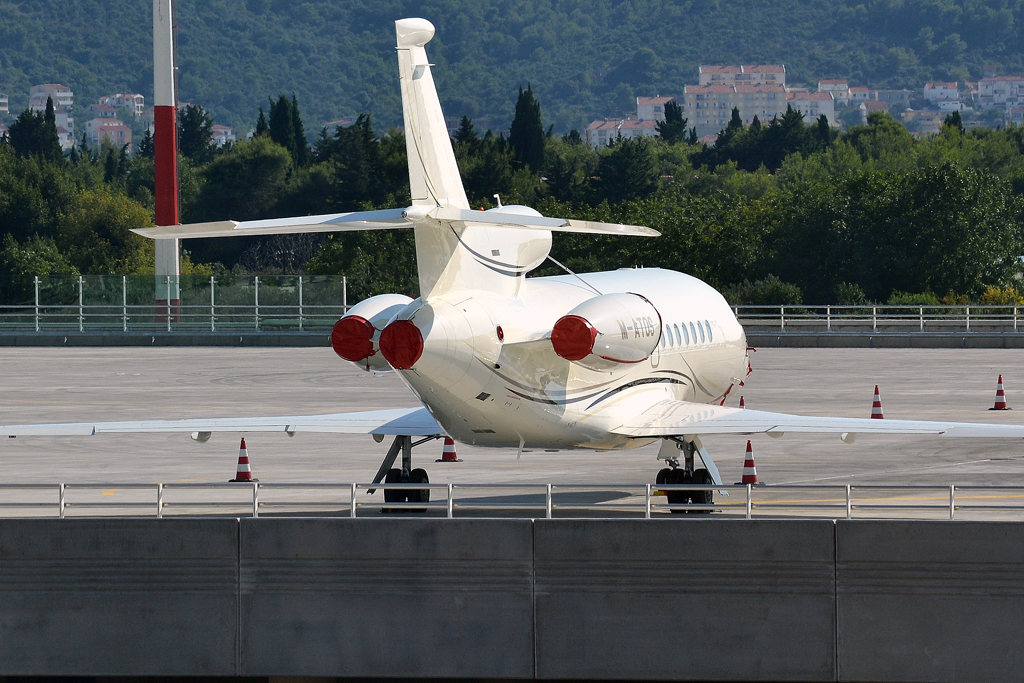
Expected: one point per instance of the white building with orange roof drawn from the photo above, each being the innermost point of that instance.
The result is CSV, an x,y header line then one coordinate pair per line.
x,y
651,108
5,104
112,130
606,131
709,107
132,101
838,87
859,94
939,91
813,104
748,74
63,99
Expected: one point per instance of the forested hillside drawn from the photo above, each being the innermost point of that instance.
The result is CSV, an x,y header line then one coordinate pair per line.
x,y
584,58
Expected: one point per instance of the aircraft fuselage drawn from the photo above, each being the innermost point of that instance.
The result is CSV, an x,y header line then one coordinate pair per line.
x,y
490,376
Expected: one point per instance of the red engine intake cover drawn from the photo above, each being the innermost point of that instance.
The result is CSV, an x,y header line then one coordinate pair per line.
x,y
352,338
573,337
402,344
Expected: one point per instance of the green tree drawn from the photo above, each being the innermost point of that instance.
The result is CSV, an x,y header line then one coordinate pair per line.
x,y
243,183
261,125
96,234
673,128
526,136
300,151
282,124
628,170
195,134
146,146
35,134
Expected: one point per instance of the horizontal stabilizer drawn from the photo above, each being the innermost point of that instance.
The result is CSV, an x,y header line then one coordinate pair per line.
x,y
398,422
387,219
681,418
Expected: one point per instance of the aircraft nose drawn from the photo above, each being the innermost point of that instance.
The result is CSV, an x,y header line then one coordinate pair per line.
x,y
401,342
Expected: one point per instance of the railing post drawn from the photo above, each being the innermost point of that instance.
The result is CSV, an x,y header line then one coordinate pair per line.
x,y
782,318
300,303
124,302
168,303
968,318
647,503
81,303
36,280
920,312
352,501
451,506
874,318
849,503
1014,318
547,502
213,304
255,499
750,489
952,501
828,317
257,300
159,501
61,500
344,294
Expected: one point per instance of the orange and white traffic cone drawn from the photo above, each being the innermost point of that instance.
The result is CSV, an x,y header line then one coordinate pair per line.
x,y
876,406
448,454
244,473
1000,397
749,470
742,404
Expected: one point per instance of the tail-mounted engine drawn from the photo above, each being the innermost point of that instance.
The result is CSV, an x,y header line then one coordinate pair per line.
x,y
608,330
356,337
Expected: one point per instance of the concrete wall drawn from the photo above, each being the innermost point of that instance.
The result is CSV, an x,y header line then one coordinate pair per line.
x,y
679,599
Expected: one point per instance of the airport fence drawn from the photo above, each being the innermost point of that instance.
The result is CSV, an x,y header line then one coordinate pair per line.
x,y
943,318
144,303
741,501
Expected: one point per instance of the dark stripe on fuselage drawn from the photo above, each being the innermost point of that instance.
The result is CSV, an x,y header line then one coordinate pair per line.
x,y
636,383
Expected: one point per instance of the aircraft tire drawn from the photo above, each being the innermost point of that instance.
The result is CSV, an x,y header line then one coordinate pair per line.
x,y
394,476
419,476
678,476
702,476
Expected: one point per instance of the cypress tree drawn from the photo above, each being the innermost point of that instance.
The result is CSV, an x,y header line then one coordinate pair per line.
x,y
300,150
526,137
261,125
282,123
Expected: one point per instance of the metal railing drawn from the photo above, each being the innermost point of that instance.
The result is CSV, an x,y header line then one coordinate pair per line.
x,y
141,303
515,500
942,318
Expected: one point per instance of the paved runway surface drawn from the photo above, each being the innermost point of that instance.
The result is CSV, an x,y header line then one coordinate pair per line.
x,y
57,385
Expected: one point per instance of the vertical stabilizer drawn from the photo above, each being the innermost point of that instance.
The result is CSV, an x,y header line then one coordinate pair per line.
x,y
433,174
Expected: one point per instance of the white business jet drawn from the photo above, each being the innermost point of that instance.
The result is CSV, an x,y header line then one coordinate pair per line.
x,y
610,360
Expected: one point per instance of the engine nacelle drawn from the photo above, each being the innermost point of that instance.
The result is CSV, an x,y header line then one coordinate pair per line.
x,y
356,337
608,330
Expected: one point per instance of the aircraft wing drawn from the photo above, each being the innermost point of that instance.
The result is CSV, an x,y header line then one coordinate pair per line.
x,y
678,418
397,422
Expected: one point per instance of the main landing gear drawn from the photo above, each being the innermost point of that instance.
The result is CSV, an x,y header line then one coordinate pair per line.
x,y
685,474
404,475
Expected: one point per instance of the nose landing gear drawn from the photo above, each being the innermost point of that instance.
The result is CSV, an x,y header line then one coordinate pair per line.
x,y
403,475
685,474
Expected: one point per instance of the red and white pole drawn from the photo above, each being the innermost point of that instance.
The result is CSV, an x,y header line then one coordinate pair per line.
x,y
165,153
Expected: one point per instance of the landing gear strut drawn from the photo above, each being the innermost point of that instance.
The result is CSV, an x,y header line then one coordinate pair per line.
x,y
684,474
404,475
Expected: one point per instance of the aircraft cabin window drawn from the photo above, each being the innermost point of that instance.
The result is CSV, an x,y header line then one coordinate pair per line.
x,y
662,341
685,334
708,325
676,341
693,332
701,328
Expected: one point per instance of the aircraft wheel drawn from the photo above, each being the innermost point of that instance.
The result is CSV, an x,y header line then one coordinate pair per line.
x,y
419,476
662,477
702,476
394,476
678,476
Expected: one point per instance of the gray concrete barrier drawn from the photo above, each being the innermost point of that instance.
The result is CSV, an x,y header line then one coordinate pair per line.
x,y
245,338
886,340
387,598
685,600
930,601
118,597
680,599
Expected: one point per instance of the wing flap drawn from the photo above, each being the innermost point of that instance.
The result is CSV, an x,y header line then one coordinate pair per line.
x,y
398,422
387,219
678,418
